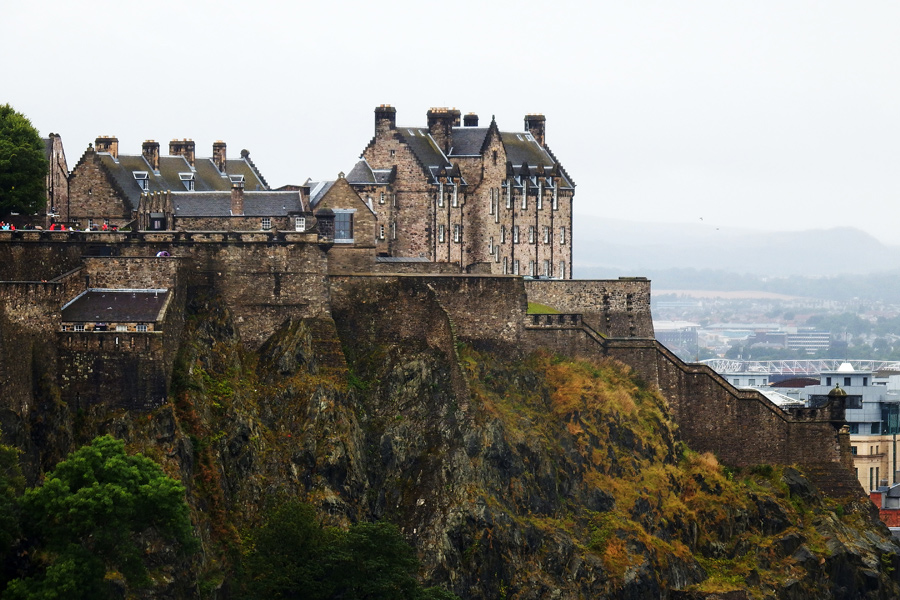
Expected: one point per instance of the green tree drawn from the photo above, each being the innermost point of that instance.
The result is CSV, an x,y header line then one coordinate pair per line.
x,y
11,485
292,556
23,166
84,518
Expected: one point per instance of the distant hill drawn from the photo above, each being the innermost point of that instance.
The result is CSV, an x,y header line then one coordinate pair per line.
x,y
607,247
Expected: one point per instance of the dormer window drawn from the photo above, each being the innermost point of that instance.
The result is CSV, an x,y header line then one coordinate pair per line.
x,y
188,180
142,179
236,179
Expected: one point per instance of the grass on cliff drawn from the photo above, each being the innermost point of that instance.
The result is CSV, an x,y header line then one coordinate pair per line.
x,y
535,308
614,434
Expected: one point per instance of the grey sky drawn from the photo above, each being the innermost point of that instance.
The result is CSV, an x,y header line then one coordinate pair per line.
x,y
766,115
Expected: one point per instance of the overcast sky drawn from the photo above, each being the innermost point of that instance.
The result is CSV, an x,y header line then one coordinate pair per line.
x,y
765,115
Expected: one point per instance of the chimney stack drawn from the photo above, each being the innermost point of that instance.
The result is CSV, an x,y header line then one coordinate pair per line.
x,y
107,143
150,150
385,119
536,125
470,120
219,155
237,198
441,121
184,147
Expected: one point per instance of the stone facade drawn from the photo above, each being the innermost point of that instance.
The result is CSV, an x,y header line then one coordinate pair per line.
x,y
480,198
57,179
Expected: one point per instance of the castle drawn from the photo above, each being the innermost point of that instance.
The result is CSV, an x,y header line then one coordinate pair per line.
x,y
110,303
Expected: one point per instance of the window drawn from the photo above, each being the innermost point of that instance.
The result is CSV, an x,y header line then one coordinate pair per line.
x,y
455,196
457,233
496,253
142,327
515,234
865,381
121,327
441,233
343,227
394,201
494,156
508,194
531,234
393,231
188,180
751,382
562,269
516,267
524,197
141,177
854,427
90,223
491,245
828,381
441,196
492,202
846,381
531,268
381,232
503,234
853,450
540,198
546,234
562,236
506,265
79,328
236,180
547,268
299,223
393,152
266,223
381,198
736,382
556,197
876,429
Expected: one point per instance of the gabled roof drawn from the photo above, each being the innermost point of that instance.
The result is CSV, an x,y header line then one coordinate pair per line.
x,y
423,148
363,174
218,204
103,306
468,141
205,174
317,191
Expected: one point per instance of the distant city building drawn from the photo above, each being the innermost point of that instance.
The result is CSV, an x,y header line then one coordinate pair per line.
x,y
677,334
810,341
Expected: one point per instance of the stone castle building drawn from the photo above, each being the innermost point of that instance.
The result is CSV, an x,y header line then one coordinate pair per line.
x,y
486,200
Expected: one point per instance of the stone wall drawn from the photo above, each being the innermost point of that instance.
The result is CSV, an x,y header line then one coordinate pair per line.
x,y
131,272
92,193
615,308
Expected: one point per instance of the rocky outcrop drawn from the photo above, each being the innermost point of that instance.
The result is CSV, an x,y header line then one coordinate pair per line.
x,y
514,476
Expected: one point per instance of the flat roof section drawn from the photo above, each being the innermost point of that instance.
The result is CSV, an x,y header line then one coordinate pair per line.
x,y
103,306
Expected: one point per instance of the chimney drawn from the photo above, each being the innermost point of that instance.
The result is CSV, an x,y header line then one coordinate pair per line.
x,y
385,119
184,147
150,150
107,143
237,198
219,155
470,120
440,124
536,125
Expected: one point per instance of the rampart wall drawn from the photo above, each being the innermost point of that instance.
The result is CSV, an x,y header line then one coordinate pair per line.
x,y
617,308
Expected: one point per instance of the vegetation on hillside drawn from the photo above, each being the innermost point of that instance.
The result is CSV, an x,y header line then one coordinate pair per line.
x,y
23,166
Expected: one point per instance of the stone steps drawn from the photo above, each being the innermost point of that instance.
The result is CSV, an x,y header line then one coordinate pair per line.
x,y
833,479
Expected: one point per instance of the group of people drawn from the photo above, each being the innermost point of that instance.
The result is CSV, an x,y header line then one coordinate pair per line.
x,y
7,226
4,226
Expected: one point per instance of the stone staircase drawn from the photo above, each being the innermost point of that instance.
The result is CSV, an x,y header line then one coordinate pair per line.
x,y
833,479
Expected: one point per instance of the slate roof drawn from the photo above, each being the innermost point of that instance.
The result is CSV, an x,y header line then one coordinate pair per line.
x,y
48,148
317,191
218,204
206,176
104,306
467,141
423,147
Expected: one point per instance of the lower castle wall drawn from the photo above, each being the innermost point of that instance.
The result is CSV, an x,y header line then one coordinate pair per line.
x,y
617,308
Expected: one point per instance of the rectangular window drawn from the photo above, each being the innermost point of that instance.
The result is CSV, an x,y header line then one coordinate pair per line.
x,y
441,233
266,223
531,234
441,196
515,234
343,227
491,245
142,327
455,196
546,234
547,272
381,198
508,195
524,197
751,382
141,177
531,268
865,381
492,201
381,232
121,327
562,236
503,234
828,381
854,427
394,200
90,223
846,381
540,198
457,233
853,450
299,223
556,196
394,231
516,267
876,429
496,253
188,180
562,269
506,265
393,152
79,328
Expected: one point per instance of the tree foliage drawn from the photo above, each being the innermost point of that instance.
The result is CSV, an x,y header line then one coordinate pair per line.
x,y
292,556
83,520
23,166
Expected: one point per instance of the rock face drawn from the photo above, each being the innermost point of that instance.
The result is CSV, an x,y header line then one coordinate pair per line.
x,y
514,476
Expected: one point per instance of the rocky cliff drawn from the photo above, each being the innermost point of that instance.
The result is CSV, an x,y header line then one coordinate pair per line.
x,y
514,475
